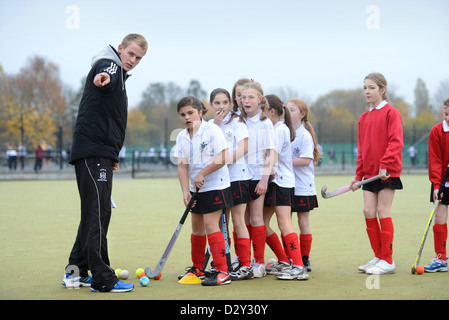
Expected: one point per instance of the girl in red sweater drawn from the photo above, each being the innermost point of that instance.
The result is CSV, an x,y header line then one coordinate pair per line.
x,y
380,143
438,162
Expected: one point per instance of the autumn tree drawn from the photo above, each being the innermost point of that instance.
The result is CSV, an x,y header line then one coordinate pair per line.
x,y
33,105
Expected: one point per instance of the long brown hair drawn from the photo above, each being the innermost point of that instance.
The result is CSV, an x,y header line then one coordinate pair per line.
x,y
275,103
304,109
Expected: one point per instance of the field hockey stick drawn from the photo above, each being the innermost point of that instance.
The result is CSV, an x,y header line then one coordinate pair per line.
x,y
429,222
206,257
327,195
113,203
225,230
157,270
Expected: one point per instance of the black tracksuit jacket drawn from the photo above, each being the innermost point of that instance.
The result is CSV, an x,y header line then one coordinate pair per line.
x,y
103,111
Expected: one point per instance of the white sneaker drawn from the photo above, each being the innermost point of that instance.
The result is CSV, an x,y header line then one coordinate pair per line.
x,y
235,263
259,270
382,267
292,273
369,264
276,267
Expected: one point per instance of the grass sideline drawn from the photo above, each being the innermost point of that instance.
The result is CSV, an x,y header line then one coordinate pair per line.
x,y
39,219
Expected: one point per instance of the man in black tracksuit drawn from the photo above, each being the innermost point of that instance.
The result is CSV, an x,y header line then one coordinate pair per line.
x,y
98,137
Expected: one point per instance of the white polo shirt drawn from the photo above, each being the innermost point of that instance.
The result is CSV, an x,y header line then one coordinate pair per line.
x,y
261,139
200,151
284,176
302,147
234,132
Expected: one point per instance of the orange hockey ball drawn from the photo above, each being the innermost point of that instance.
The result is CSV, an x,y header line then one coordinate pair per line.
x,y
158,276
419,269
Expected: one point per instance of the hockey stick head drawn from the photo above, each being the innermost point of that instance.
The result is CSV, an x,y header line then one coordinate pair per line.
x,y
323,192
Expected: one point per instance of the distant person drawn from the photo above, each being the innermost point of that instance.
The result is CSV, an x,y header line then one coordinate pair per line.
x,y
380,143
438,162
22,151
11,153
163,155
152,155
48,157
331,155
412,154
98,138
39,156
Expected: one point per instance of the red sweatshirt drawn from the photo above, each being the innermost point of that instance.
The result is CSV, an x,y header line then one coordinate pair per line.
x,y
438,154
380,143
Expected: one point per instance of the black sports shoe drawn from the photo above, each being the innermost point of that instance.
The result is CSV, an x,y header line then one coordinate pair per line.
x,y
306,262
243,273
196,271
217,278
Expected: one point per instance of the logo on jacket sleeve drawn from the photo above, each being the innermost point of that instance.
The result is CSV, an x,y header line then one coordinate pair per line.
x,y
112,69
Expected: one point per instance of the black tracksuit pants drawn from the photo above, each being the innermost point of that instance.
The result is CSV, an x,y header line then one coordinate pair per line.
x,y
90,251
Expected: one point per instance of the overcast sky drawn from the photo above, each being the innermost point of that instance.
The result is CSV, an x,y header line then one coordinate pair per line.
x,y
312,47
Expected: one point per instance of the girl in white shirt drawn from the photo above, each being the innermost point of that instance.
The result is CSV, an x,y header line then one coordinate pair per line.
x,y
260,161
280,195
236,135
202,154
305,154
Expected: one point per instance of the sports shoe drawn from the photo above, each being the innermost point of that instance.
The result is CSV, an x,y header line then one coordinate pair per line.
x,y
235,263
306,262
436,265
369,264
276,267
218,278
381,267
196,271
70,281
120,286
243,273
259,270
293,273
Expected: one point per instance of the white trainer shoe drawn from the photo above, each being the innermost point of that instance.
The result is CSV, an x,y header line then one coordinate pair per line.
x,y
369,264
293,273
259,270
382,267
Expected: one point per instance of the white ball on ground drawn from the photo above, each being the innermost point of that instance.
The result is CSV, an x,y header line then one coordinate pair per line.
x,y
124,274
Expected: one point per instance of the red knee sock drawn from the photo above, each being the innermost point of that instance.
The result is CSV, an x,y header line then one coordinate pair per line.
x,y
244,248
293,249
284,246
373,230
198,246
258,236
275,245
440,238
386,236
305,241
218,250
